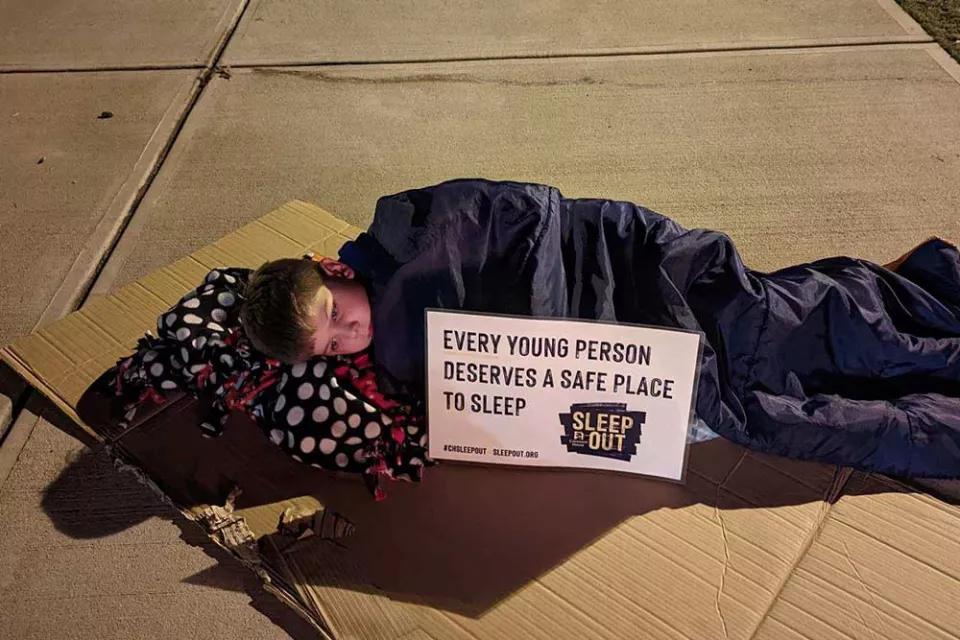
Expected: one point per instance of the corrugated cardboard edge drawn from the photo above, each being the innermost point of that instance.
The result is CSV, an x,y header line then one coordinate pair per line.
x,y
10,357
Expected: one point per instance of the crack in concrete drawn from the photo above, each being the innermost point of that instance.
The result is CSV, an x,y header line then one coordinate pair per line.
x,y
893,42
319,75
17,405
14,394
316,75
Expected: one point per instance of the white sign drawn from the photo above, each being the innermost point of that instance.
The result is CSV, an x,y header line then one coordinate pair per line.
x,y
560,393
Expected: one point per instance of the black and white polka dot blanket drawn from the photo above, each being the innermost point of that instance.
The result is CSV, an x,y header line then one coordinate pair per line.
x,y
326,412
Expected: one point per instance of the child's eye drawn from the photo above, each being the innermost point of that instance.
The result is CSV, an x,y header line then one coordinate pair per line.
x,y
334,346
335,313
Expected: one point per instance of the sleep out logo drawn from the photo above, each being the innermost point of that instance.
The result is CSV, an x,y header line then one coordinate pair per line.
x,y
605,429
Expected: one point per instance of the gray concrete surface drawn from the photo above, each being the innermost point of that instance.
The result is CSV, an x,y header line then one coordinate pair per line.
x,y
69,177
89,552
809,150
298,31
6,413
814,153
72,34
12,388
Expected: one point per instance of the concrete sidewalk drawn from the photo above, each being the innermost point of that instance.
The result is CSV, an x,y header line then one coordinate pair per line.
x,y
801,129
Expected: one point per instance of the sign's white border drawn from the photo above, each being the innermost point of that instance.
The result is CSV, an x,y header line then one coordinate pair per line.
x,y
692,417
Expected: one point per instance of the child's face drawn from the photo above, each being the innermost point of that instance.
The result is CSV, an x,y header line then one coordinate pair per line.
x,y
342,318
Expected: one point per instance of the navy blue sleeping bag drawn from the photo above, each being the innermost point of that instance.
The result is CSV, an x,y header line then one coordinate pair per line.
x,y
840,361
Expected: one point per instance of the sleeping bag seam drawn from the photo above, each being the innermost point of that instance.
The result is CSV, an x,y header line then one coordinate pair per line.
x,y
539,237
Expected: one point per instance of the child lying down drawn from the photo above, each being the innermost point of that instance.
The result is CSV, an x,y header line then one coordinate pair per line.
x,y
840,361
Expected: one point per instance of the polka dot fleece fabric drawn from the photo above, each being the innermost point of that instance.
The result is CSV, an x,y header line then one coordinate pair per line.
x,y
326,412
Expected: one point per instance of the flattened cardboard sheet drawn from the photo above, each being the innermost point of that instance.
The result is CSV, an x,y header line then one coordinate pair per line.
x,y
750,547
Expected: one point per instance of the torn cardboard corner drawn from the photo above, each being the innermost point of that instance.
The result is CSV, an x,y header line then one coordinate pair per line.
x,y
750,547
230,530
298,523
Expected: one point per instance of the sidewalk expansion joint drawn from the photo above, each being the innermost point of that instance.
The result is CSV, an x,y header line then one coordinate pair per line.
x,y
211,69
624,53
100,68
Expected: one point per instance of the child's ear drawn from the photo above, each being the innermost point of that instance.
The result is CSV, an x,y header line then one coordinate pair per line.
x,y
335,269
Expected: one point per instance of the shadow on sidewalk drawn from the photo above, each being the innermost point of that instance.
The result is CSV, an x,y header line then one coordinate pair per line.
x,y
88,489
462,540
